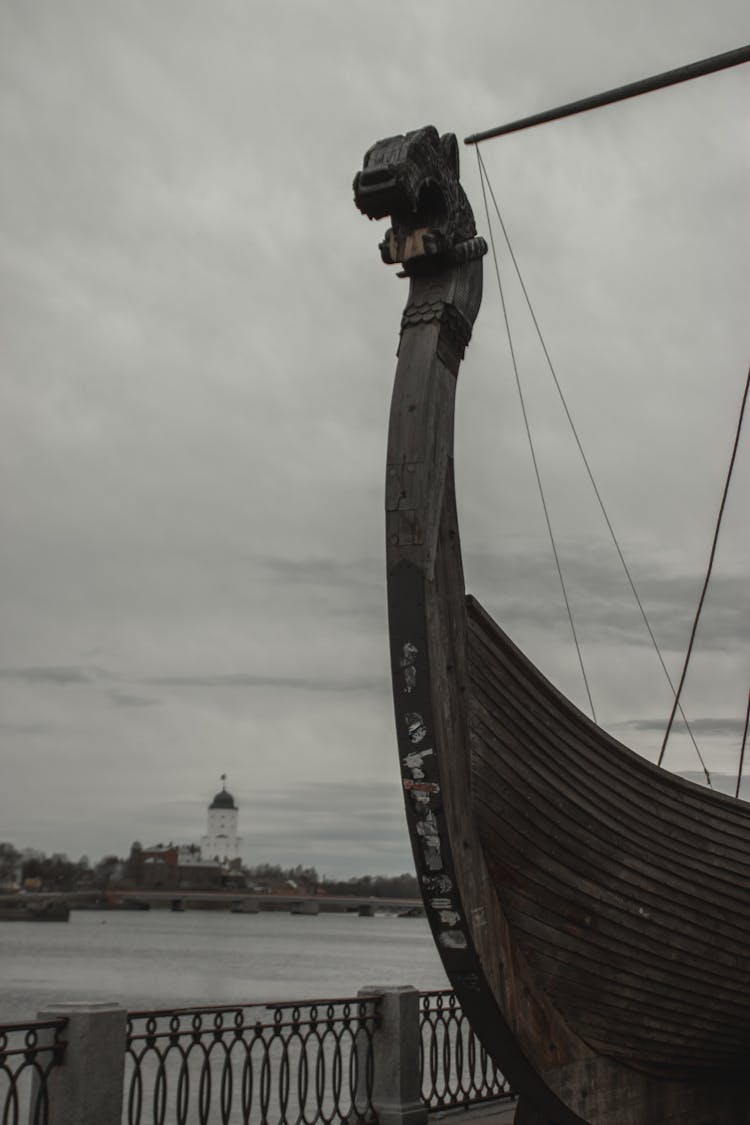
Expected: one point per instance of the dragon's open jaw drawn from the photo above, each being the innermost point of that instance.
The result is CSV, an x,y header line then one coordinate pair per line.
x,y
380,192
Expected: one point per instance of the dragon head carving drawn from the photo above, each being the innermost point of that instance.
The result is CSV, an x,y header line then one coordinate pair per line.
x,y
414,179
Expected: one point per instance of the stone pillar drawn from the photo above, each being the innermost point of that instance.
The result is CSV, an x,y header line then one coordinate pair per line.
x,y
88,1088
397,1077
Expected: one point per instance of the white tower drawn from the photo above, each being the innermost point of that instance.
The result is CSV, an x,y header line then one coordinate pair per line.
x,y
221,840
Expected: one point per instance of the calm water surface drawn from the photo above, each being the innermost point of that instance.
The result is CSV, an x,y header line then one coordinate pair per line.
x,y
155,958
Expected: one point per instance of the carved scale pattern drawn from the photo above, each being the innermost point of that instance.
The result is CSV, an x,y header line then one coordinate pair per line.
x,y
454,325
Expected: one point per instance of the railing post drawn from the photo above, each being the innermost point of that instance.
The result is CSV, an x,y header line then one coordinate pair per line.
x,y
88,1088
397,1079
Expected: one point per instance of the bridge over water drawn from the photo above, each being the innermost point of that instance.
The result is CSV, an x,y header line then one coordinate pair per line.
x,y
252,902
236,901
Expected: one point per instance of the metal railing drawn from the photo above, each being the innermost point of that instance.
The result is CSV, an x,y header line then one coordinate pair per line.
x,y
298,1063
456,1070
28,1052
312,1062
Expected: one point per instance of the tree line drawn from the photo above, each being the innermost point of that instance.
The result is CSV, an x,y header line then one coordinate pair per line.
x,y
57,872
362,886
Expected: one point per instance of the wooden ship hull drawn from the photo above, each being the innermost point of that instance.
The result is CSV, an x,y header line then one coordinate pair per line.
x,y
591,910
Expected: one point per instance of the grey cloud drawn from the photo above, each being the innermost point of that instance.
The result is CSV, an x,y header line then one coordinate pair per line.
x,y
250,680
359,573
726,728
30,728
125,699
358,819
51,674
349,588
602,602
66,675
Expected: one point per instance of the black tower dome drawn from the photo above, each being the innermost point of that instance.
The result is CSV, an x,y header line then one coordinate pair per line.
x,y
223,799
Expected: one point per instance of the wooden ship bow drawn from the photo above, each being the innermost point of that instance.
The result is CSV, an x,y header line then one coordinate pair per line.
x,y
591,911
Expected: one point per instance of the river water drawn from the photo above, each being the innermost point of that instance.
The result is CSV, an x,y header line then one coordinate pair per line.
x,y
157,958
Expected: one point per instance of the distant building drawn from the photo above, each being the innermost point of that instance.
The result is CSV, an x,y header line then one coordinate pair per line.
x,y
212,864
171,866
221,841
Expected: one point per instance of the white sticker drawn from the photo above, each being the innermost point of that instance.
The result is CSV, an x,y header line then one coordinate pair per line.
x,y
449,917
453,939
415,726
414,761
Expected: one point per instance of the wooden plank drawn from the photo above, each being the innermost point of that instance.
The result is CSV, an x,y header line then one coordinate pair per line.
x,y
733,815
514,786
584,749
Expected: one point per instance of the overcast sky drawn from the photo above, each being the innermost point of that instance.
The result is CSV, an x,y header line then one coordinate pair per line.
x,y
198,343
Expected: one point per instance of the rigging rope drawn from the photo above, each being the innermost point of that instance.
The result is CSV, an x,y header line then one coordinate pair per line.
x,y
537,472
742,748
589,471
712,556
484,177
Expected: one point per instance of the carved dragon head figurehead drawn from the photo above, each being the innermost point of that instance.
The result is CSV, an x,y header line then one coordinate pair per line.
x,y
414,179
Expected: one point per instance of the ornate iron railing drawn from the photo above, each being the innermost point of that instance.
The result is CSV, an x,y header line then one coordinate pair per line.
x,y
28,1052
456,1070
304,1063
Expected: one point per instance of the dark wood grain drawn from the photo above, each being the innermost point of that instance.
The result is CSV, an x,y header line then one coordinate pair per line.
x,y
626,888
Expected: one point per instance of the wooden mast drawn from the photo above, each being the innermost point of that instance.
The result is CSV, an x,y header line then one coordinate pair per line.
x,y
686,73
